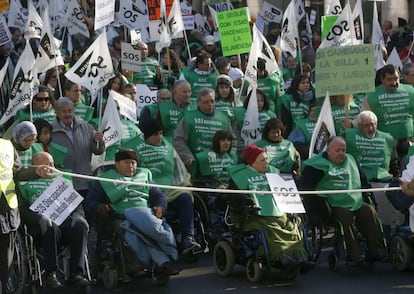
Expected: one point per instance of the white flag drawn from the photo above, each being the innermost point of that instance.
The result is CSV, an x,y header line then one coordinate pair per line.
x,y
393,58
134,15
213,14
17,15
48,54
3,70
377,37
111,126
175,19
34,24
250,131
299,10
358,18
165,38
324,128
24,84
334,8
342,32
378,57
289,30
94,68
75,19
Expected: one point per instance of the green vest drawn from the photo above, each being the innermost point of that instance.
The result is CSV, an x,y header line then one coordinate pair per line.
x,y
26,155
264,116
153,109
31,190
198,81
124,196
171,114
306,127
373,155
58,153
225,106
280,155
147,73
339,114
159,160
270,86
394,110
215,166
246,178
84,112
201,128
24,115
338,177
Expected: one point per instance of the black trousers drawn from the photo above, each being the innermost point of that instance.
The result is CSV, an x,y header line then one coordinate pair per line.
x,y
6,258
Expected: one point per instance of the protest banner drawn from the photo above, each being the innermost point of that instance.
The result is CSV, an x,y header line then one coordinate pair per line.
x,y
234,29
286,202
145,97
130,57
345,70
127,107
57,202
104,13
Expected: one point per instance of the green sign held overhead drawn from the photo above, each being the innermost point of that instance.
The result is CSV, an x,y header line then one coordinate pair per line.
x,y
345,70
234,29
327,22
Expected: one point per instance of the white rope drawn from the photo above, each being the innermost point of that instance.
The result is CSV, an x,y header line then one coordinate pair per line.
x,y
196,189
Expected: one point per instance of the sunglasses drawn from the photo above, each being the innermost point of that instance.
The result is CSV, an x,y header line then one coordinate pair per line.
x,y
46,99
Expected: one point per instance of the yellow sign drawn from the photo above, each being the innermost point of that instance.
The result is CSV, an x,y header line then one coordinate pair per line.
x,y
4,5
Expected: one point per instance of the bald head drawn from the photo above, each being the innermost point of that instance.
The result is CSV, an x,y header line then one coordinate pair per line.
x,y
42,158
336,150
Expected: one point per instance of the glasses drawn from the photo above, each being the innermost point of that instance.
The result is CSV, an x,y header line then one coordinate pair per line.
x,y
40,99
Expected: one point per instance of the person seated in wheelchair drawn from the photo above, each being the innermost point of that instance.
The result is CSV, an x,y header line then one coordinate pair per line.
x,y
334,169
72,232
141,207
284,236
158,155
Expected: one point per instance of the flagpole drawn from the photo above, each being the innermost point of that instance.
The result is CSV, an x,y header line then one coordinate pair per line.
x,y
169,61
188,47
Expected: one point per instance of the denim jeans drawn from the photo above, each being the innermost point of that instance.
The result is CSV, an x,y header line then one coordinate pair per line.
x,y
158,244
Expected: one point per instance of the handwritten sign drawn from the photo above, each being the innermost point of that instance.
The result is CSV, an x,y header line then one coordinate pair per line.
x,y
234,31
286,202
58,201
345,70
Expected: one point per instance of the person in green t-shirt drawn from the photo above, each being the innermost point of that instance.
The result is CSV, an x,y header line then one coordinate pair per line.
x,y
334,169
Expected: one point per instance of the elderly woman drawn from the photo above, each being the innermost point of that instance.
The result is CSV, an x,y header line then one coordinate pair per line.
x,y
281,152
283,236
24,136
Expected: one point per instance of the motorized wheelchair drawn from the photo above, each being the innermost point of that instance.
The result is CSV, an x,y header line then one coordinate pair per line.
x,y
27,270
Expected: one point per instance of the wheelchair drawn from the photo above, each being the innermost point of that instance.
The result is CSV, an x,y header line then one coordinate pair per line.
x,y
236,246
114,257
323,230
26,271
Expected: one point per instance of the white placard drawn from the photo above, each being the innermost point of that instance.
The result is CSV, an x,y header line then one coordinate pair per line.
x,y
188,22
58,201
135,36
271,13
127,107
130,57
145,96
288,203
5,35
104,13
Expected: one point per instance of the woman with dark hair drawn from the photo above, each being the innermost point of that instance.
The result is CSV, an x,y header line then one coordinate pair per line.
x,y
42,107
51,80
117,84
280,152
294,104
225,96
212,166
171,67
239,112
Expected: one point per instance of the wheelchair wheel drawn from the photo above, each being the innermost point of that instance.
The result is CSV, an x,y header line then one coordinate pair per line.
x,y
18,271
314,244
401,253
254,270
333,261
223,258
110,278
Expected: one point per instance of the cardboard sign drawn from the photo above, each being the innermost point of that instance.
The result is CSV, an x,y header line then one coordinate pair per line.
x,y
130,57
287,203
127,107
58,201
345,70
145,96
234,31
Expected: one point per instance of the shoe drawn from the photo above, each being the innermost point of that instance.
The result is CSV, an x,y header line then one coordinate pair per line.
x,y
190,245
168,269
51,281
78,281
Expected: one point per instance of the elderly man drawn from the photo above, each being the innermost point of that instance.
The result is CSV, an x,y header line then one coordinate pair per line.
x,y
334,169
196,129
81,140
142,207
150,73
408,74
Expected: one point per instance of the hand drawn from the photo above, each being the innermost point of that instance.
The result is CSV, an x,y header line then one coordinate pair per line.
x,y
158,211
98,137
78,218
44,223
44,172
